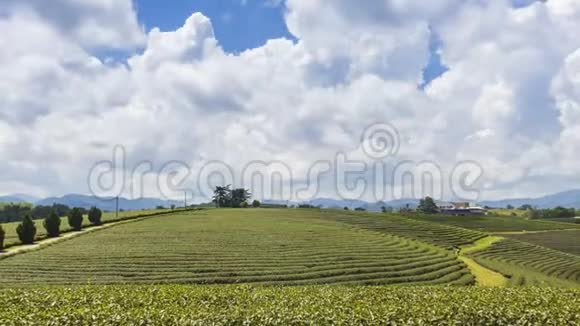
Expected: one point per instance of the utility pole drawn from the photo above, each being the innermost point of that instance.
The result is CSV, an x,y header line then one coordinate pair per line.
x,y
185,199
117,207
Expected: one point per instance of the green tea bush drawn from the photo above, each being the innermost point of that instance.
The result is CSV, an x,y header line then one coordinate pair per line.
x,y
209,248
528,264
302,305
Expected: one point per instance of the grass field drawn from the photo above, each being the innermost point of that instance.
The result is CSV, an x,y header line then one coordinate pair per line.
x,y
11,237
3,204
264,246
508,212
496,223
572,220
566,241
303,305
484,276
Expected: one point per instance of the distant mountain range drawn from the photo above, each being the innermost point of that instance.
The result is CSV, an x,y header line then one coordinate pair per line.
x,y
354,203
569,198
18,198
350,203
84,201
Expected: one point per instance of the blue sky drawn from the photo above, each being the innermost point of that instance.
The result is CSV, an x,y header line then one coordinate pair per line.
x,y
238,24
243,24
434,67
246,24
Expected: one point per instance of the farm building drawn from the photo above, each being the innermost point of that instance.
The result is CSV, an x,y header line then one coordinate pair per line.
x,y
461,209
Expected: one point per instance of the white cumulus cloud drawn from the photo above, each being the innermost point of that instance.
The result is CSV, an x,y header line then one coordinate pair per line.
x,y
509,100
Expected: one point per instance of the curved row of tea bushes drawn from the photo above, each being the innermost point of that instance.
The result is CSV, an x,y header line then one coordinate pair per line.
x,y
228,246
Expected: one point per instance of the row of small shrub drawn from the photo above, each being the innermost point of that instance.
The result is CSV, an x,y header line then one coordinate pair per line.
x,y
27,229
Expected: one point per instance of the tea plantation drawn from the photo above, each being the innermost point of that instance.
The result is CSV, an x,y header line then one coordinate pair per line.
x,y
301,305
289,266
290,247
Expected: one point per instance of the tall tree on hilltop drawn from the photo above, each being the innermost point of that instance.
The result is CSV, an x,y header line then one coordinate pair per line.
x,y
239,196
427,206
221,196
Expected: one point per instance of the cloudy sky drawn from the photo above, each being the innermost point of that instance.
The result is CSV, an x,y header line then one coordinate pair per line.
x,y
295,81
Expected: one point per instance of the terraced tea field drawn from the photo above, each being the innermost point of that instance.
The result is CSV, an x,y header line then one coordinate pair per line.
x,y
496,223
289,247
565,241
12,237
528,264
265,246
445,236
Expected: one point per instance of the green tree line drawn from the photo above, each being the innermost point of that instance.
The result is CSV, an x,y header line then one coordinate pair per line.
x,y
26,230
224,196
16,212
557,212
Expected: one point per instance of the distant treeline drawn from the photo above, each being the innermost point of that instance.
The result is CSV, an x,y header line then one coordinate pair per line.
x,y
558,212
224,196
16,212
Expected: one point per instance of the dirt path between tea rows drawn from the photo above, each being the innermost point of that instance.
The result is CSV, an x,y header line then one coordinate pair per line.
x,y
483,276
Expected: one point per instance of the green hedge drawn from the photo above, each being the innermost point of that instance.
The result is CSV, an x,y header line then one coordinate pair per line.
x,y
317,305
